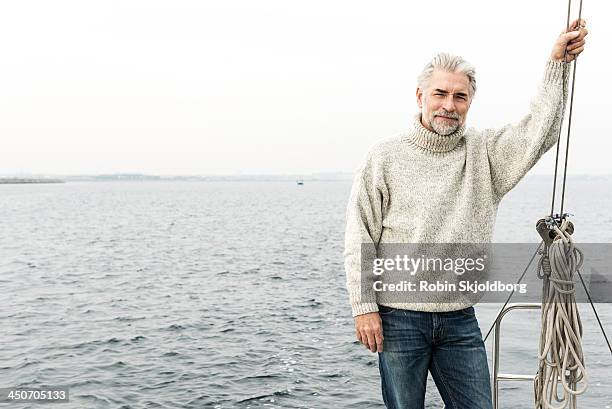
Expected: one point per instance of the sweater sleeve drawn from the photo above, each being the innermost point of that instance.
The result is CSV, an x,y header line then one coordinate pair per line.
x,y
363,228
514,149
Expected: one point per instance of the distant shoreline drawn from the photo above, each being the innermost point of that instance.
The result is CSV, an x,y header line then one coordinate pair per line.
x,y
129,177
321,177
15,181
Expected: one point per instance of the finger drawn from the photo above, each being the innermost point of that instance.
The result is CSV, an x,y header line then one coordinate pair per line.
x,y
579,38
577,23
583,33
364,338
371,341
576,45
358,333
576,51
379,342
565,39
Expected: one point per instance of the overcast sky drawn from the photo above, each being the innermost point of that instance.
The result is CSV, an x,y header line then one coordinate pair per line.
x,y
223,87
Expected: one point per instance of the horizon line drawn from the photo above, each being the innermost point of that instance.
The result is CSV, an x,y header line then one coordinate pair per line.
x,y
293,174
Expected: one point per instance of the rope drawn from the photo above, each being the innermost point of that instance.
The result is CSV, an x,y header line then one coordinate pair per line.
x,y
560,359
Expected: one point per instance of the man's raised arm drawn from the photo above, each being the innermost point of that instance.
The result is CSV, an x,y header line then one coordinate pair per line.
x,y
514,149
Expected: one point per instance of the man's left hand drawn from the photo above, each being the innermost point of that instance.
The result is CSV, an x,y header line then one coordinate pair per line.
x,y
572,41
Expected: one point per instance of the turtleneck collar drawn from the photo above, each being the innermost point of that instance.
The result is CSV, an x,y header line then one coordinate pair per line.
x,y
431,141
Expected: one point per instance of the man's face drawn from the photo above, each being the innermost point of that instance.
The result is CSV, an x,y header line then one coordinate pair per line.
x,y
445,102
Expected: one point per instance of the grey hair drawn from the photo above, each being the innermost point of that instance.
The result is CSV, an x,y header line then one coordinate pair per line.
x,y
449,63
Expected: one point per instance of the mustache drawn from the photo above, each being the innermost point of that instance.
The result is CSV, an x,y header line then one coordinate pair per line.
x,y
443,112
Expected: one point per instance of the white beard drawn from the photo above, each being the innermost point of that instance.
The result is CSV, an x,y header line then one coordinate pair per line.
x,y
439,127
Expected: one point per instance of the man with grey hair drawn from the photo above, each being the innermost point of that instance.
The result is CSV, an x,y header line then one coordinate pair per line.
x,y
440,182
451,68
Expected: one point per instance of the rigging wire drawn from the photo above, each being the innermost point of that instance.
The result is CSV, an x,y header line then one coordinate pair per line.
x,y
569,118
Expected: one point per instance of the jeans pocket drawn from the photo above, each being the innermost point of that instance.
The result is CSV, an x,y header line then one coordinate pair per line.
x,y
384,310
469,311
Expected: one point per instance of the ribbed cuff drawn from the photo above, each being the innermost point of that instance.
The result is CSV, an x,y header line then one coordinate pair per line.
x,y
553,74
362,303
364,308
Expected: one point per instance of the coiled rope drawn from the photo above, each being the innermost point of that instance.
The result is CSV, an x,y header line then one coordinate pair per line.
x,y
560,359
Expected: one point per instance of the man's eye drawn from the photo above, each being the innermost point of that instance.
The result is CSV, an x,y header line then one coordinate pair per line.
x,y
461,98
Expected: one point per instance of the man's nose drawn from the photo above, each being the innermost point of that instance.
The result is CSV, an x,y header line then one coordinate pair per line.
x,y
449,103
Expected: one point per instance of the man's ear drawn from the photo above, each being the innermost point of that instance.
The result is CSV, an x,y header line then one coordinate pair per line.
x,y
419,97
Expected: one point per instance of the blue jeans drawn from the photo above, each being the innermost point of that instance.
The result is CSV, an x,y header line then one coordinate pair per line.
x,y
447,344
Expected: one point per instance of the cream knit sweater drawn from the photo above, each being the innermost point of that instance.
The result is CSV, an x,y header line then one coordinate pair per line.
x,y
421,187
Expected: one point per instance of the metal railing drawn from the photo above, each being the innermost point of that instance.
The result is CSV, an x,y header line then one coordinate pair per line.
x,y
497,377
